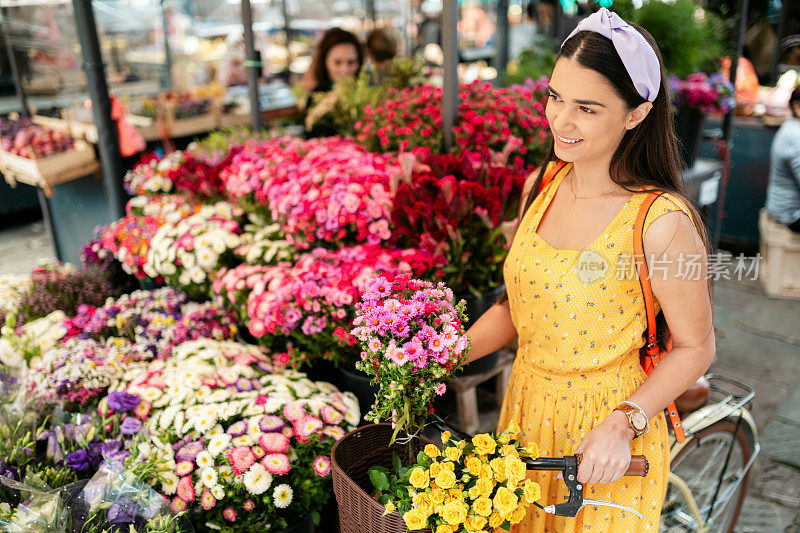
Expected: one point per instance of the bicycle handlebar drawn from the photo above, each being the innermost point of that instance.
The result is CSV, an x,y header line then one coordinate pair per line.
x,y
639,465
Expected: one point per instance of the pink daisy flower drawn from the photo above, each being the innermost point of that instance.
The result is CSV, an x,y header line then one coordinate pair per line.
x,y
258,452
186,489
413,350
184,467
436,344
440,389
142,410
248,505
307,426
294,410
207,500
276,463
177,505
322,466
274,442
241,458
398,356
330,415
375,345
333,431
229,514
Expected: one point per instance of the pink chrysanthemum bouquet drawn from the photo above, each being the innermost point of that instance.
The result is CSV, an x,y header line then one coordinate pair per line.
x,y
413,341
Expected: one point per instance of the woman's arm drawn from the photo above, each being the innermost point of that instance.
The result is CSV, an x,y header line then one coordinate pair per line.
x,y
686,304
493,330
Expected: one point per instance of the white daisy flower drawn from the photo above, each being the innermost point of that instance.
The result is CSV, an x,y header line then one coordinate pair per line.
x,y
170,484
218,492
257,480
209,477
283,496
218,443
216,430
204,459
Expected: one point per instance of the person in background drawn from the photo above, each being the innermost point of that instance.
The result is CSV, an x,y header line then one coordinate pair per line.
x,y
783,191
381,49
339,55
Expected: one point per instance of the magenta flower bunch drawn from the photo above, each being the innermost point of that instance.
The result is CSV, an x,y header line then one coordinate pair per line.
x,y
324,192
309,304
412,338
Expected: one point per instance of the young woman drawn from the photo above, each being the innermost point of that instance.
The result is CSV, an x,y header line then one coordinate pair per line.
x,y
339,55
571,296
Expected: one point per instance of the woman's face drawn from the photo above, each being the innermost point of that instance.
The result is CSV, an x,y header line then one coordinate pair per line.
x,y
587,117
342,61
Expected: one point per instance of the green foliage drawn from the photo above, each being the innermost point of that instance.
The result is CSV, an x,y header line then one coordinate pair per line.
x,y
534,62
687,45
624,8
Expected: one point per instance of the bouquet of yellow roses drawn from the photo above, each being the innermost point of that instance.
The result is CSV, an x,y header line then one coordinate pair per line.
x,y
476,485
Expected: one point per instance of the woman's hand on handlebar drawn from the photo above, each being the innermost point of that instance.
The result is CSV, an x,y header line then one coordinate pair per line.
x,y
606,450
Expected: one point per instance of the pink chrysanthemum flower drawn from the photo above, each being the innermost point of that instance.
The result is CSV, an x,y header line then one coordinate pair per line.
x,y
322,466
207,500
274,442
276,464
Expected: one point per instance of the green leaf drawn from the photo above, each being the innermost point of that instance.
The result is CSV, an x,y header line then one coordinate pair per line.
x,y
396,462
379,479
384,499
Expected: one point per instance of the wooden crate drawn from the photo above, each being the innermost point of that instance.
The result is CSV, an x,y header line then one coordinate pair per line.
x,y
780,258
50,171
73,128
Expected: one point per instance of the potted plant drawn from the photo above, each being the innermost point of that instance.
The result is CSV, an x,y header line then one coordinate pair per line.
x,y
693,98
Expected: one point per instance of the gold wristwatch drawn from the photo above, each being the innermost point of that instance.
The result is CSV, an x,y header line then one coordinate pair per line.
x,y
637,419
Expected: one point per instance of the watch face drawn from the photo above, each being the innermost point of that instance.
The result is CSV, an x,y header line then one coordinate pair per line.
x,y
638,421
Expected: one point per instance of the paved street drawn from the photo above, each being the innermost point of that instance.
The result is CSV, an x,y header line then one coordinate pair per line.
x,y
758,343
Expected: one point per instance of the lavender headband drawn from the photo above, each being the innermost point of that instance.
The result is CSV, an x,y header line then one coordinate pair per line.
x,y
637,55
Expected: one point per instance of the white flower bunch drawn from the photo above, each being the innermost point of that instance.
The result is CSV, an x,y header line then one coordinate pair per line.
x,y
11,290
31,340
263,244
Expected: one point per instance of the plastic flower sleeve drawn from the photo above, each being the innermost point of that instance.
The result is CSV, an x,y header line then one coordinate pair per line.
x,y
116,498
38,510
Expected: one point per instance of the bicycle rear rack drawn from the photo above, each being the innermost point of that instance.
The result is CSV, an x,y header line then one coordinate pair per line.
x,y
727,397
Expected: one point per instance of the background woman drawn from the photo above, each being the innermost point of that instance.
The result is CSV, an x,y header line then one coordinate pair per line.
x,y
339,55
580,328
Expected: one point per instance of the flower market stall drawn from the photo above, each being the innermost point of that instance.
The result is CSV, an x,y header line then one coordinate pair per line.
x,y
185,377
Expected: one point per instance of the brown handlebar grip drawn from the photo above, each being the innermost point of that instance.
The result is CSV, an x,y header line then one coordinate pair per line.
x,y
639,465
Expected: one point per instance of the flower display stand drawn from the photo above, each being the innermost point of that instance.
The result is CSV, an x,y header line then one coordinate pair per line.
x,y
47,172
464,388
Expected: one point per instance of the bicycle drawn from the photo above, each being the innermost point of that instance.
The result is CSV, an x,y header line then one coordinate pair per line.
x,y
710,471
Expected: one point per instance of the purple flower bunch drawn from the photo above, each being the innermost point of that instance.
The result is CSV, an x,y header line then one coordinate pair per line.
x,y
412,338
156,321
701,93
58,287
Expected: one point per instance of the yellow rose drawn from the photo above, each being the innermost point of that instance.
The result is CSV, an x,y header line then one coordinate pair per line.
x,y
446,479
415,519
532,450
462,444
486,486
483,506
532,491
454,513
505,501
390,508
496,520
444,528
517,515
511,485
456,494
474,465
474,493
431,451
474,523
515,468
445,437
435,469
484,444
449,466
505,438
508,449
419,478
486,472
499,469
452,453
514,429
437,495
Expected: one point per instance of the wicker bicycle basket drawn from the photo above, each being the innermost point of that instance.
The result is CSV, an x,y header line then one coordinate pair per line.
x,y
352,457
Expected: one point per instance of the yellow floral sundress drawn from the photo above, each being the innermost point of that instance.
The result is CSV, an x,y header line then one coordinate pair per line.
x,y
580,329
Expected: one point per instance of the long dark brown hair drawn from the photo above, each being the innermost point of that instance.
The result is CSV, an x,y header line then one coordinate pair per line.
x,y
331,38
647,156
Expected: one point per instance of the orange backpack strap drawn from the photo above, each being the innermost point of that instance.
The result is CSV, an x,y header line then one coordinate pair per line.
x,y
653,354
554,167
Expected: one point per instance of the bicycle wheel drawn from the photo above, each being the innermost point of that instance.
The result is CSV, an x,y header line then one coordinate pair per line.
x,y
700,465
